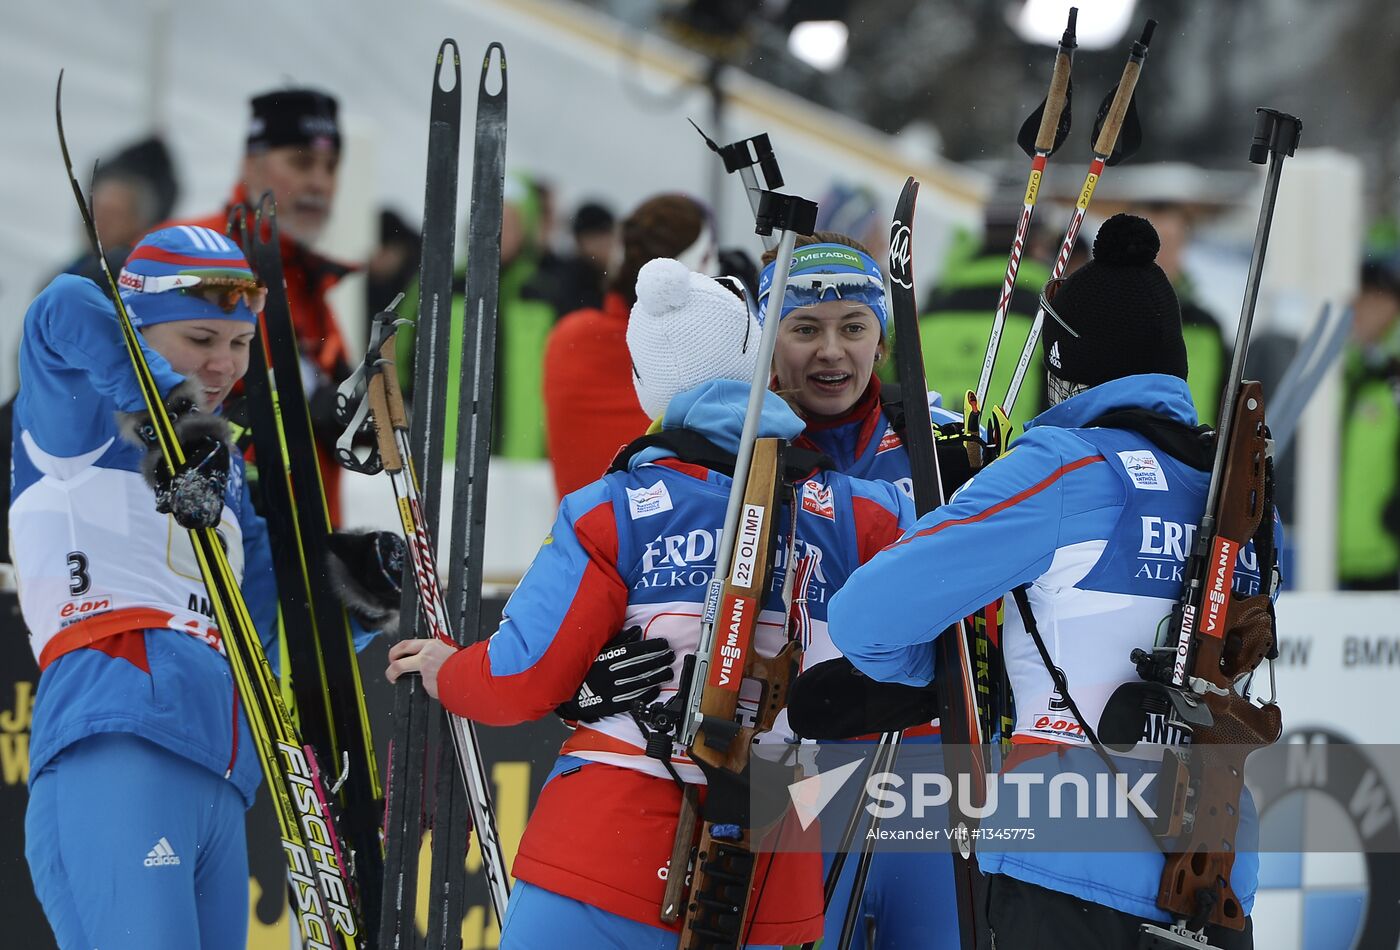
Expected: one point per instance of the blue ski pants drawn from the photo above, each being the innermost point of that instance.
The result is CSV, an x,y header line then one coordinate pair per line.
x,y
131,846
537,919
908,901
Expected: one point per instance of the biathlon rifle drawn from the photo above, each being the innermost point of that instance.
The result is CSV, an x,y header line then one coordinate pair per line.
x,y
1217,637
709,722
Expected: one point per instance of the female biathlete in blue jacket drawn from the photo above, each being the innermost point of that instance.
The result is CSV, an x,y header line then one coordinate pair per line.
x,y
141,765
832,337
1091,514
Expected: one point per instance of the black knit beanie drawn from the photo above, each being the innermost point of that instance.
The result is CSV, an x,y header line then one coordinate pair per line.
x,y
1122,308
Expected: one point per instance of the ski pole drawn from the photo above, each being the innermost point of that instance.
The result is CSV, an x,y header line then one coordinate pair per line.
x,y
1118,116
1051,122
391,426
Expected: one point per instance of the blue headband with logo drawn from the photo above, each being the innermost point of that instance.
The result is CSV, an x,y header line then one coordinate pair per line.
x,y
822,272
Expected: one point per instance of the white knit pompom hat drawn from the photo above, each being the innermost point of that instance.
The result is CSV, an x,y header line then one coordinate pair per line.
x,y
685,330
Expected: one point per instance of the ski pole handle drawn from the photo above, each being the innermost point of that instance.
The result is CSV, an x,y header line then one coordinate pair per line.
x,y
383,428
393,395
1113,121
1059,89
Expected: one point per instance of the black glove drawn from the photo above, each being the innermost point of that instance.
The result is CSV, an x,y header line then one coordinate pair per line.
x,y
628,670
194,494
834,700
954,461
366,568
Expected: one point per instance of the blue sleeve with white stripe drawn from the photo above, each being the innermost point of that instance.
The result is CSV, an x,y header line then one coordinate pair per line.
x,y
998,531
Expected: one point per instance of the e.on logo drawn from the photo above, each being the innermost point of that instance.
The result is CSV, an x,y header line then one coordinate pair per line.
x,y
76,608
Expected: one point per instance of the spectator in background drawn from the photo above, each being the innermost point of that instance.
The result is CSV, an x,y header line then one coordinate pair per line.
x,y
393,266
579,279
590,402
524,318
957,316
1368,542
293,151
131,191
1206,348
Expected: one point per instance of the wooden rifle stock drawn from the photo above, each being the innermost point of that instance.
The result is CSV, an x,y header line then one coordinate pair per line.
x,y
716,909
1231,638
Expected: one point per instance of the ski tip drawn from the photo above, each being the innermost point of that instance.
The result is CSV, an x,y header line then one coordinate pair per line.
x,y
484,93
58,110
447,73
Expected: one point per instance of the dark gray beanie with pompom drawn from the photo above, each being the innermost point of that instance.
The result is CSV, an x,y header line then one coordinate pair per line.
x,y
1122,308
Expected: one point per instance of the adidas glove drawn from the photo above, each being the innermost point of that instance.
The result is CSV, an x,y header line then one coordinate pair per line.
x,y
629,670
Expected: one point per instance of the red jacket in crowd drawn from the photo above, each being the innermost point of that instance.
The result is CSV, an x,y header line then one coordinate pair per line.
x,y
591,408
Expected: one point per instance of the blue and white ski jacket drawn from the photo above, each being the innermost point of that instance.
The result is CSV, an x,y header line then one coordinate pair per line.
x,y
1099,523
117,612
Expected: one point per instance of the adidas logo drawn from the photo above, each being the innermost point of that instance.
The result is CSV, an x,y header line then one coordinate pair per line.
x,y
1055,354
586,697
161,854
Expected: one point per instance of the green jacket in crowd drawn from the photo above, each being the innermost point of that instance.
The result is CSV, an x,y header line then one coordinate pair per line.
x,y
957,319
524,321
1368,542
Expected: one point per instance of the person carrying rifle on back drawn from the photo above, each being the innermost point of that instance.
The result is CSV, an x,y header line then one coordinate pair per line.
x,y
637,549
1091,510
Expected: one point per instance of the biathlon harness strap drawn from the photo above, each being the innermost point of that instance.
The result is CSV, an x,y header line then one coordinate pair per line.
x,y
799,464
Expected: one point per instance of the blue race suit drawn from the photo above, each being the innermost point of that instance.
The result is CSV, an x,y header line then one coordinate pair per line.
x,y
135,698
1098,522
909,895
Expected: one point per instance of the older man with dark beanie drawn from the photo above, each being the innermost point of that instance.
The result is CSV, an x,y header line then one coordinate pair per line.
x,y
293,150
1084,526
